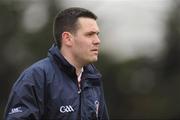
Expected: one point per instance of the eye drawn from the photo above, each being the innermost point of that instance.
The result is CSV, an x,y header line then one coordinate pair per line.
x,y
92,33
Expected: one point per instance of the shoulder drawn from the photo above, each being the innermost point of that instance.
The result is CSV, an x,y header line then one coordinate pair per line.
x,y
34,74
32,79
37,68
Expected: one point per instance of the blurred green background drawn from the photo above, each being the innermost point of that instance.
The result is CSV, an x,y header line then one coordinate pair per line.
x,y
137,85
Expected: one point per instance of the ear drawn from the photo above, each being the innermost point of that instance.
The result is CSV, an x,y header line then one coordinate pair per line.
x,y
67,38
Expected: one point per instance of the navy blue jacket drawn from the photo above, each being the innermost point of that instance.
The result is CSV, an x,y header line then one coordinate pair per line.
x,y
49,90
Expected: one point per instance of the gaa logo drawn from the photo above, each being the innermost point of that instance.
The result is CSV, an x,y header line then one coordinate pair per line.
x,y
67,108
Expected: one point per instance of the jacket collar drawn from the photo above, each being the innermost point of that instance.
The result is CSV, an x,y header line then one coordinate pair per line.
x,y
89,70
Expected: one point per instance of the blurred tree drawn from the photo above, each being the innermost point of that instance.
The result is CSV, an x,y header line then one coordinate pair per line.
x,y
9,21
170,63
172,54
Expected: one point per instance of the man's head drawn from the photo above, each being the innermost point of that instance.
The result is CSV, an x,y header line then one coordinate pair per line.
x,y
66,21
76,33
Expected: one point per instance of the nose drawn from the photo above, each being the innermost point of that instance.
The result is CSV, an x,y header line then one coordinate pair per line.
x,y
96,40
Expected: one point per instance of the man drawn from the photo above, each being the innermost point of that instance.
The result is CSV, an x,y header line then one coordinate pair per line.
x,y
65,85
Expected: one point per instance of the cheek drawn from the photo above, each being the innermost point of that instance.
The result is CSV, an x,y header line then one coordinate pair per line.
x,y
83,46
81,49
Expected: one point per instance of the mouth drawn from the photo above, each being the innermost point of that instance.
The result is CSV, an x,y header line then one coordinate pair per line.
x,y
95,51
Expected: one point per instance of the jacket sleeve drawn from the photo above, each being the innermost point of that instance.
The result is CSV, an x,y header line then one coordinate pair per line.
x,y
26,98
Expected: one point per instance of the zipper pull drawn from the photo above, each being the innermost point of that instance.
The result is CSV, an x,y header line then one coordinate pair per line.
x,y
79,91
97,107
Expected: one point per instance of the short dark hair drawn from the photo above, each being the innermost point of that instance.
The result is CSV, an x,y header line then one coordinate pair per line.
x,y
66,20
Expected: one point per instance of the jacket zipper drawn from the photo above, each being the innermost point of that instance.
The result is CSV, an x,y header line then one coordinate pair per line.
x,y
80,105
79,93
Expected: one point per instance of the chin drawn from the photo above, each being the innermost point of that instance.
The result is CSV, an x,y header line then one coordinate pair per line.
x,y
94,59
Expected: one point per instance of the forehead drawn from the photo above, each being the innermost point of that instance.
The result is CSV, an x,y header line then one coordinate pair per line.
x,y
87,24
